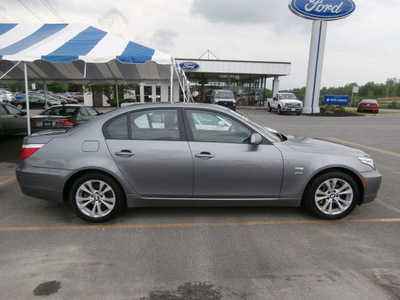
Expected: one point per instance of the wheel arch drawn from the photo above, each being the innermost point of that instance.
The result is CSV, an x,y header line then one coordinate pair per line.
x,y
352,174
68,184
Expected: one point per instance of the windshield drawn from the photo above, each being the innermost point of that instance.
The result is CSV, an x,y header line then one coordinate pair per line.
x,y
224,95
274,135
287,96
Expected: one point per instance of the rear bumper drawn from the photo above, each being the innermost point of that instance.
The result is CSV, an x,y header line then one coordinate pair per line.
x,y
42,183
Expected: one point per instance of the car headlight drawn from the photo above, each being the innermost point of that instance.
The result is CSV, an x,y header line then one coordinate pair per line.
x,y
368,161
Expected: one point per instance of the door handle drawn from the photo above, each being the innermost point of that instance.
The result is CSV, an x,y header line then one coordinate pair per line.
x,y
125,153
204,155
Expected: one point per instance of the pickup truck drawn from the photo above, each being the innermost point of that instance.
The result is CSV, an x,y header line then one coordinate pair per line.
x,y
285,102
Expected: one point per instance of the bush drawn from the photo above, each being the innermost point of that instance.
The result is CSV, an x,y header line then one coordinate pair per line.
x,y
394,105
113,102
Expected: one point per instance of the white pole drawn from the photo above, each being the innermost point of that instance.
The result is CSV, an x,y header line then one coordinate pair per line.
x,y
28,119
171,94
116,89
316,58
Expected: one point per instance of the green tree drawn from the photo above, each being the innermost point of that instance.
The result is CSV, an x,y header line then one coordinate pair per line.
x,y
57,88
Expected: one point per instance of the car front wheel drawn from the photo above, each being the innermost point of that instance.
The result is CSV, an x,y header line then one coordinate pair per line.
x,y
96,198
332,196
279,110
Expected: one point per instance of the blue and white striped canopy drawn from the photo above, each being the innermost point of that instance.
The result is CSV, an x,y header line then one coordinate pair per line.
x,y
76,52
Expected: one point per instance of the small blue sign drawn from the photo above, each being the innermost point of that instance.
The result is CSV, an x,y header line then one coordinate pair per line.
x,y
189,66
336,100
326,10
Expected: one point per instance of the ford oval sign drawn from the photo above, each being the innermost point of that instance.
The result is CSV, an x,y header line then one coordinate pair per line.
x,y
189,66
326,10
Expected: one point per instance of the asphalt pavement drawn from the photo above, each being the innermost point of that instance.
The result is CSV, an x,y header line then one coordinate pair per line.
x,y
210,253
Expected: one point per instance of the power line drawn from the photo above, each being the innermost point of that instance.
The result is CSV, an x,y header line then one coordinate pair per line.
x,y
31,11
52,10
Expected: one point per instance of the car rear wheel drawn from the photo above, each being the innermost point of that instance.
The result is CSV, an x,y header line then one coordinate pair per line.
x,y
332,196
96,198
269,107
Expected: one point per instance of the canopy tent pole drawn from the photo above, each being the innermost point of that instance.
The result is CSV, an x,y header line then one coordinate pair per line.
x,y
28,120
116,90
171,92
10,70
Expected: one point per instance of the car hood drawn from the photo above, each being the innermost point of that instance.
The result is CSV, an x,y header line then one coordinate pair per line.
x,y
309,145
290,101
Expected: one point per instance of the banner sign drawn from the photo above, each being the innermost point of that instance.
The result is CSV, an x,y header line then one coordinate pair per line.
x,y
189,66
336,100
325,10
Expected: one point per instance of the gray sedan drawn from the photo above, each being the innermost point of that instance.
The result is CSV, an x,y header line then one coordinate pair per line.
x,y
191,155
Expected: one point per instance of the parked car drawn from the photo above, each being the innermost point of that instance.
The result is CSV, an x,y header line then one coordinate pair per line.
x,y
62,116
78,96
155,155
224,98
12,120
368,105
34,102
68,100
6,96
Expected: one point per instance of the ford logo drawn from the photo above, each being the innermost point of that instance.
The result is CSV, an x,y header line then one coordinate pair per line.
x,y
322,9
189,66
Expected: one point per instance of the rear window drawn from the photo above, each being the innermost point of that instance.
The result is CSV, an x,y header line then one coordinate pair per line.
x,y
60,111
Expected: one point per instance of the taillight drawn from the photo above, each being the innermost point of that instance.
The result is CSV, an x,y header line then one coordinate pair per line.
x,y
66,122
29,149
33,122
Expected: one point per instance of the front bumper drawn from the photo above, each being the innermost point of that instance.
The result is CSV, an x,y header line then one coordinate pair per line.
x,y
373,182
291,109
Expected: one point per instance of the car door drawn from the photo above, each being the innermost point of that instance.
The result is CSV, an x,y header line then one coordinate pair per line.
x,y
12,120
226,165
150,150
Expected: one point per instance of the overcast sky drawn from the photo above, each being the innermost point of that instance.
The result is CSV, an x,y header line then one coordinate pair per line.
x,y
361,48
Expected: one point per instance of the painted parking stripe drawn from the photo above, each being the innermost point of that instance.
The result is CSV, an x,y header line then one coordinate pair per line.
x,y
363,146
191,225
6,181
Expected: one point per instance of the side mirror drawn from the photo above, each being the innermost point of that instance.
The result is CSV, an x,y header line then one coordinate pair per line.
x,y
255,139
275,99
221,124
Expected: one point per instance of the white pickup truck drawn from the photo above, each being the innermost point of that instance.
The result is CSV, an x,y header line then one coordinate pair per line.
x,y
285,102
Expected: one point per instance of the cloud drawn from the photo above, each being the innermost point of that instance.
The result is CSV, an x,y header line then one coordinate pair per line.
x,y
163,40
241,12
113,19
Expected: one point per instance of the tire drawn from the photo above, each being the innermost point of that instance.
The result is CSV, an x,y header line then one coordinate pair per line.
x,y
279,110
96,198
269,107
332,196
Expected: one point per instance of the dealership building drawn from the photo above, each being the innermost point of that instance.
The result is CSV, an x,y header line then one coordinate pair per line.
x,y
247,79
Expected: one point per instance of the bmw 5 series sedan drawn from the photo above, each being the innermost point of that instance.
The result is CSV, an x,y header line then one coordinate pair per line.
x,y
191,155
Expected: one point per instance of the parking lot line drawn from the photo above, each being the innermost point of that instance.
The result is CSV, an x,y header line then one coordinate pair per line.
x,y
189,225
363,146
6,181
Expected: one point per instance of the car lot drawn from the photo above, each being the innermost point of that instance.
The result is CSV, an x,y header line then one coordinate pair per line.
x,y
210,253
